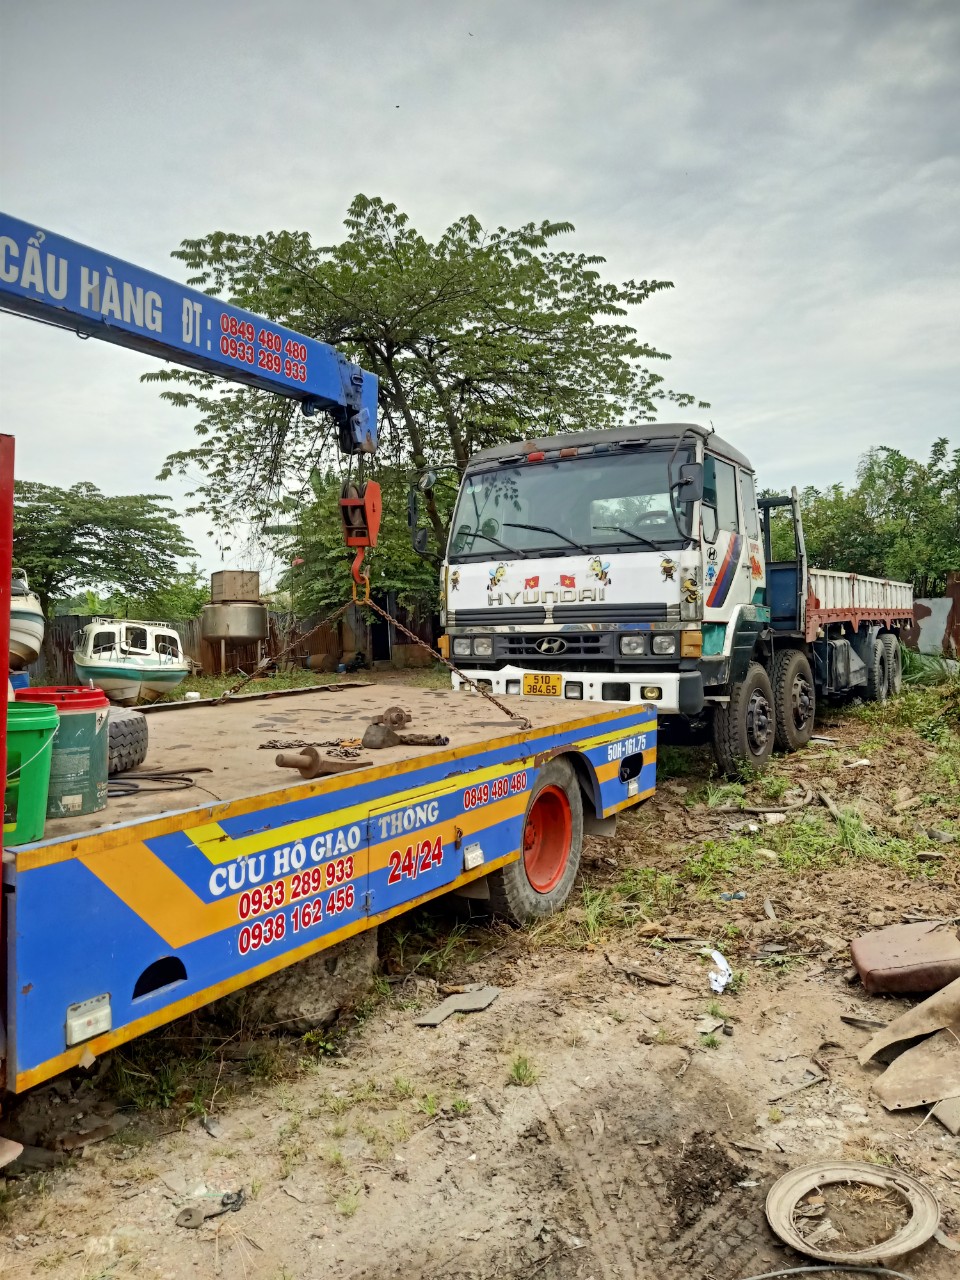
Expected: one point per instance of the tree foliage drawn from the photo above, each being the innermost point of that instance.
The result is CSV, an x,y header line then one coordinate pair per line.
x,y
182,596
478,337
70,539
901,519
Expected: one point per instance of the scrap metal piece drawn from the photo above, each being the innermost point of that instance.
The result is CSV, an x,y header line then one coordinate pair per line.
x,y
937,1011
465,1002
311,764
924,1074
787,1192
917,957
634,970
947,1111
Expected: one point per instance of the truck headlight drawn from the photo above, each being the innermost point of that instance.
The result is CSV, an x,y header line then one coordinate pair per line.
x,y
632,645
461,646
664,644
483,646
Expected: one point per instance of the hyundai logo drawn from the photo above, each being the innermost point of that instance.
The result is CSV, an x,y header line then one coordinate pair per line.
x,y
551,644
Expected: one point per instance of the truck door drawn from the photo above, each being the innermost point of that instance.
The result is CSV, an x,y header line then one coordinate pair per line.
x,y
751,527
727,580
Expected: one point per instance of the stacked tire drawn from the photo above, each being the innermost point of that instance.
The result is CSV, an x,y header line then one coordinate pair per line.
x,y
128,739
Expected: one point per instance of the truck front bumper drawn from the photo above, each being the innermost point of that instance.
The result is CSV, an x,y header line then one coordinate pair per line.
x,y
680,692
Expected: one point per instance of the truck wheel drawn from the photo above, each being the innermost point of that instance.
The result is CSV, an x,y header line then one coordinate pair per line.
x,y
794,699
877,673
744,728
891,647
127,739
539,883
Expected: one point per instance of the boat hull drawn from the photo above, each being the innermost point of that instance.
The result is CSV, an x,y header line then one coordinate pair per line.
x,y
127,683
26,632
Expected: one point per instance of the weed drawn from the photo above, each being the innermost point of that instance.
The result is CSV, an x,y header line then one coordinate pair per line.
x,y
715,1010
428,1104
651,889
774,1115
664,1036
402,1087
774,786
617,1016
348,1204
522,1072
401,1130
460,1106
256,1186
334,1157
737,982
710,1041
722,795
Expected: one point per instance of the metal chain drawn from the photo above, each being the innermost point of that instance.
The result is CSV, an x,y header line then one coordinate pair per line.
x,y
265,662
524,723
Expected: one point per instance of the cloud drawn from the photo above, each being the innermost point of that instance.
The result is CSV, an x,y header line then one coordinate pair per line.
x,y
795,171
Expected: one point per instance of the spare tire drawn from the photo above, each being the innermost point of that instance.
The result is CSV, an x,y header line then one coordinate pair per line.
x,y
128,739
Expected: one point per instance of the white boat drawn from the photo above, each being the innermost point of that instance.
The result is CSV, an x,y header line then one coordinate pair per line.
x,y
130,660
26,622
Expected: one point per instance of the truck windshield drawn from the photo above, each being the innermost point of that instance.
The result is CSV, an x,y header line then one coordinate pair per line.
x,y
618,500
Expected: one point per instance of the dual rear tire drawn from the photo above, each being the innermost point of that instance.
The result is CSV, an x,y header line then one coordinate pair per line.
x,y
764,713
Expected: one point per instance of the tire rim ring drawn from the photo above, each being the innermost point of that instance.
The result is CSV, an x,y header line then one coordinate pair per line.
x,y
547,839
789,1190
801,697
759,722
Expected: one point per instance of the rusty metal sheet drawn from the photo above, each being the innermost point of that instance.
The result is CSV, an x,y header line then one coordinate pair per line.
x,y
907,958
937,1011
923,1075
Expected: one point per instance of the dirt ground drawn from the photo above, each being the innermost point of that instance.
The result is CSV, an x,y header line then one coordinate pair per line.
x,y
585,1124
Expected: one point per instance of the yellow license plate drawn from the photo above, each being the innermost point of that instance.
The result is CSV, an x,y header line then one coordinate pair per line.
x,y
543,686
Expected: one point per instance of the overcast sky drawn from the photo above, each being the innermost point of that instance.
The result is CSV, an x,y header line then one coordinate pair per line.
x,y
793,168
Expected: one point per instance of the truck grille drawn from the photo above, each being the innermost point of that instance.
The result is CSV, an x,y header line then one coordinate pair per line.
x,y
554,646
530,616
657,612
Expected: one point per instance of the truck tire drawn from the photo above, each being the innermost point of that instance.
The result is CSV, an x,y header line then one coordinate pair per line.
x,y
128,739
794,699
744,728
539,882
891,647
877,673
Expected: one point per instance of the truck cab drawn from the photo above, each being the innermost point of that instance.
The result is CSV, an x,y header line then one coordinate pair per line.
x,y
605,566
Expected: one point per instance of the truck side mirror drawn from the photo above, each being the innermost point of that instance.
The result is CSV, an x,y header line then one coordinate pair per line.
x,y
426,481
420,539
690,484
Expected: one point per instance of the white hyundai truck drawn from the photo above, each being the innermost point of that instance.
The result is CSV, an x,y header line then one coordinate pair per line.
x,y
635,565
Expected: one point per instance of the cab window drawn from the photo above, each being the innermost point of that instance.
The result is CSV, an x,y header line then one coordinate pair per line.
x,y
103,640
719,505
136,638
748,498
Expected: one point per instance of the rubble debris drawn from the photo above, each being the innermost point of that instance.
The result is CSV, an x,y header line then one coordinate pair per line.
x,y
768,909
793,1187
465,1002
862,1024
901,958
634,970
947,1111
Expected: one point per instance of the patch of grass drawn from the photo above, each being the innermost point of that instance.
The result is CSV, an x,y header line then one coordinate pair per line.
x,y
774,1115
719,859
710,1041
654,891
664,1036
460,1106
522,1072
721,795
676,762
348,1204
214,686
715,1010
428,1104
773,786
402,1087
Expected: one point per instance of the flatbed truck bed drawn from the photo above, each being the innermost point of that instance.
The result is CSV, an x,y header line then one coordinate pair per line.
x,y
123,920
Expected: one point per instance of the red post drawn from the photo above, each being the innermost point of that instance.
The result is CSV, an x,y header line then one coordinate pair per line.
x,y
6,569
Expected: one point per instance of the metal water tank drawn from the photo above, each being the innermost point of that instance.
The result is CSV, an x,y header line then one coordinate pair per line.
x,y
237,623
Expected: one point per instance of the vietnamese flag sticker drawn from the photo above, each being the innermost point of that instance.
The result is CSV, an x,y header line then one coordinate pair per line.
x,y
530,584
567,580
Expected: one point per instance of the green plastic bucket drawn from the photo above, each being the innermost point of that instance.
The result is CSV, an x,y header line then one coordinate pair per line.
x,y
78,766
30,730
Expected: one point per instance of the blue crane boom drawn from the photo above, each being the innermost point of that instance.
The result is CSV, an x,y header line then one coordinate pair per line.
x,y
53,279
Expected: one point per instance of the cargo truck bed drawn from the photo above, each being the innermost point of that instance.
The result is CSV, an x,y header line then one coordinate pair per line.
x,y
230,740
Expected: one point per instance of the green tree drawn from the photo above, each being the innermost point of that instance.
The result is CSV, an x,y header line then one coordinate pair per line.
x,y
183,595
478,337
900,520
71,539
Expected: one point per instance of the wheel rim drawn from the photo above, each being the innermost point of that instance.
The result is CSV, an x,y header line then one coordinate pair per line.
x,y
801,701
547,839
759,723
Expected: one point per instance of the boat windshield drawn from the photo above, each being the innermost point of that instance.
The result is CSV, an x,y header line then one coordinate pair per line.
x,y
103,641
167,645
593,502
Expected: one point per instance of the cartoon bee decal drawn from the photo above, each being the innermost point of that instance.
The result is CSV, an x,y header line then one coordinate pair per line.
x,y
690,589
496,577
668,568
599,570
455,580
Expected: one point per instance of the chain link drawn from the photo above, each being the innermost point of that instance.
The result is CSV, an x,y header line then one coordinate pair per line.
x,y
265,662
523,722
